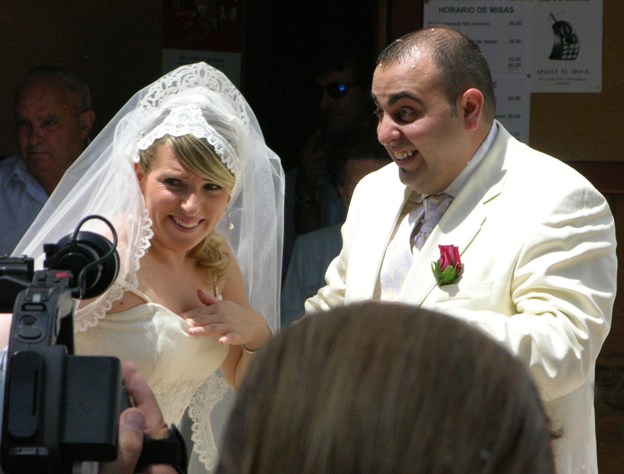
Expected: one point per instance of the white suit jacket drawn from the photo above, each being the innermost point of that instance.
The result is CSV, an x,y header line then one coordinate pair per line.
x,y
537,242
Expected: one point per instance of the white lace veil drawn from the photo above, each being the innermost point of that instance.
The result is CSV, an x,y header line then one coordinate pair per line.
x,y
194,99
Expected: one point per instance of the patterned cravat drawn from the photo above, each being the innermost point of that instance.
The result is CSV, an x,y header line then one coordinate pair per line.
x,y
434,207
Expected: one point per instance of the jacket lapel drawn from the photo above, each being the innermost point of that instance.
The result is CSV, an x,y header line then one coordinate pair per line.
x,y
374,234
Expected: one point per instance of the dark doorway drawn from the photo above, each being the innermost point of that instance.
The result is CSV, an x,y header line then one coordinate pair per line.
x,y
285,45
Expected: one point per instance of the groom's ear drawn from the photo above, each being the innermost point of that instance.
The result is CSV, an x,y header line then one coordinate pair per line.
x,y
471,105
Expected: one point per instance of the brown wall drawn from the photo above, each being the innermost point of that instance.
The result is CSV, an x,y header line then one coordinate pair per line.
x,y
587,127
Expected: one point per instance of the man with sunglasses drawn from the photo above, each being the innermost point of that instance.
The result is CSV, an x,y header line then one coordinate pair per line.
x,y
344,105
344,102
356,155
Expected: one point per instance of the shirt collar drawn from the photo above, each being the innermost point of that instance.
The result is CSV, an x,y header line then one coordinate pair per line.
x,y
458,183
14,168
17,171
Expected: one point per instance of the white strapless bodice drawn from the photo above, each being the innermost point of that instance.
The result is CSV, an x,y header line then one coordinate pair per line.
x,y
155,339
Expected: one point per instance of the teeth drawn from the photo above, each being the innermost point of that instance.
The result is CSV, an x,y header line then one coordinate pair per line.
x,y
185,225
401,155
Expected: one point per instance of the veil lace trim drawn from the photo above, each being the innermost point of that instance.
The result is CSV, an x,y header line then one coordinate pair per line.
x,y
190,77
189,120
87,317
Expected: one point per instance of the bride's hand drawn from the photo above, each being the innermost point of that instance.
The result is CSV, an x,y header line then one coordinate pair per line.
x,y
231,322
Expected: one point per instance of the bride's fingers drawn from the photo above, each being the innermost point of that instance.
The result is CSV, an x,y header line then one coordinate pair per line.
x,y
208,330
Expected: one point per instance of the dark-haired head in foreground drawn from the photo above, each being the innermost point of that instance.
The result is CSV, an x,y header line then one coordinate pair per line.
x,y
386,388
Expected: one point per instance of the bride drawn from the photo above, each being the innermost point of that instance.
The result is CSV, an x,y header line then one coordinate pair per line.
x,y
195,195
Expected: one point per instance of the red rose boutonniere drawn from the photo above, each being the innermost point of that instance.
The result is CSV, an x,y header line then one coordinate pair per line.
x,y
447,269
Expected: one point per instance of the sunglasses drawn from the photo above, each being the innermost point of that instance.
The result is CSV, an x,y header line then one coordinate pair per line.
x,y
336,90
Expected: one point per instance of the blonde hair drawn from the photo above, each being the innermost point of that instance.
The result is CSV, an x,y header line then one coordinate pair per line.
x,y
198,156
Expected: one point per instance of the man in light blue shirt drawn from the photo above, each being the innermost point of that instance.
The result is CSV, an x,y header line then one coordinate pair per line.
x,y
357,155
53,119
21,198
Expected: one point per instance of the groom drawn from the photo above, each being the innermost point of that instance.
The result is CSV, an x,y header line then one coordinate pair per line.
x,y
536,241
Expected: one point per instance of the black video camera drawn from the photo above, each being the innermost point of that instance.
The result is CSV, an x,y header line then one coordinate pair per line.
x,y
58,408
